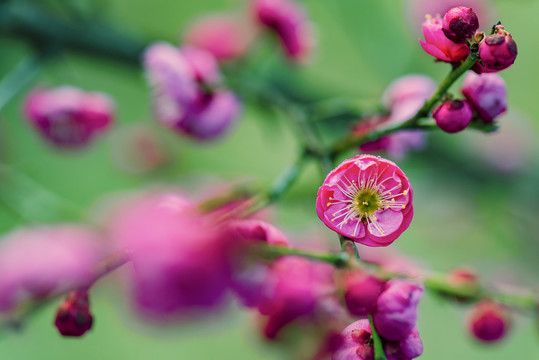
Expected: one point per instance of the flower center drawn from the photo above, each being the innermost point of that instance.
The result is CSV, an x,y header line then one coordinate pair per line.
x,y
366,202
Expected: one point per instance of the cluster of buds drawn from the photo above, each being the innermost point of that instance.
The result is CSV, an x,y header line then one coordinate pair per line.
x,y
447,40
451,40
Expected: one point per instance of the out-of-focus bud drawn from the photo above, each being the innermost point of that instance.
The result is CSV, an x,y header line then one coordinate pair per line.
x,y
407,349
73,317
438,45
289,20
396,309
361,292
182,100
226,36
488,321
453,116
211,116
68,117
497,51
203,64
487,94
460,23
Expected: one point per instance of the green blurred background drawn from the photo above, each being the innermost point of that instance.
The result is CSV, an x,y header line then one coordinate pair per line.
x,y
471,208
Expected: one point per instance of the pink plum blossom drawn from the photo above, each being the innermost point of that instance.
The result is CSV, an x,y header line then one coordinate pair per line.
x,y
289,21
203,64
35,261
396,309
69,117
226,36
453,116
438,45
367,199
486,93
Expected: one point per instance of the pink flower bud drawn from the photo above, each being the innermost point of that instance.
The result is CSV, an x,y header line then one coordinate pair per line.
x,y
438,45
453,116
413,87
73,317
226,36
497,51
486,93
396,309
36,261
488,321
68,117
367,199
361,292
289,21
358,344
460,23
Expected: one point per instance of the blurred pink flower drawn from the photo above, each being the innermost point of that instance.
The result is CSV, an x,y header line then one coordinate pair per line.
x,y
181,99
403,97
35,261
453,116
367,199
289,20
182,259
438,45
68,117
226,36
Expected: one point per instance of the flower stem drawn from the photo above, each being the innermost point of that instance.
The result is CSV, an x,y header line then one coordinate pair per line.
x,y
338,260
379,353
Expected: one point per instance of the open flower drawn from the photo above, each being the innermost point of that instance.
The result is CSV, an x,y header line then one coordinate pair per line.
x,y
438,45
367,199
